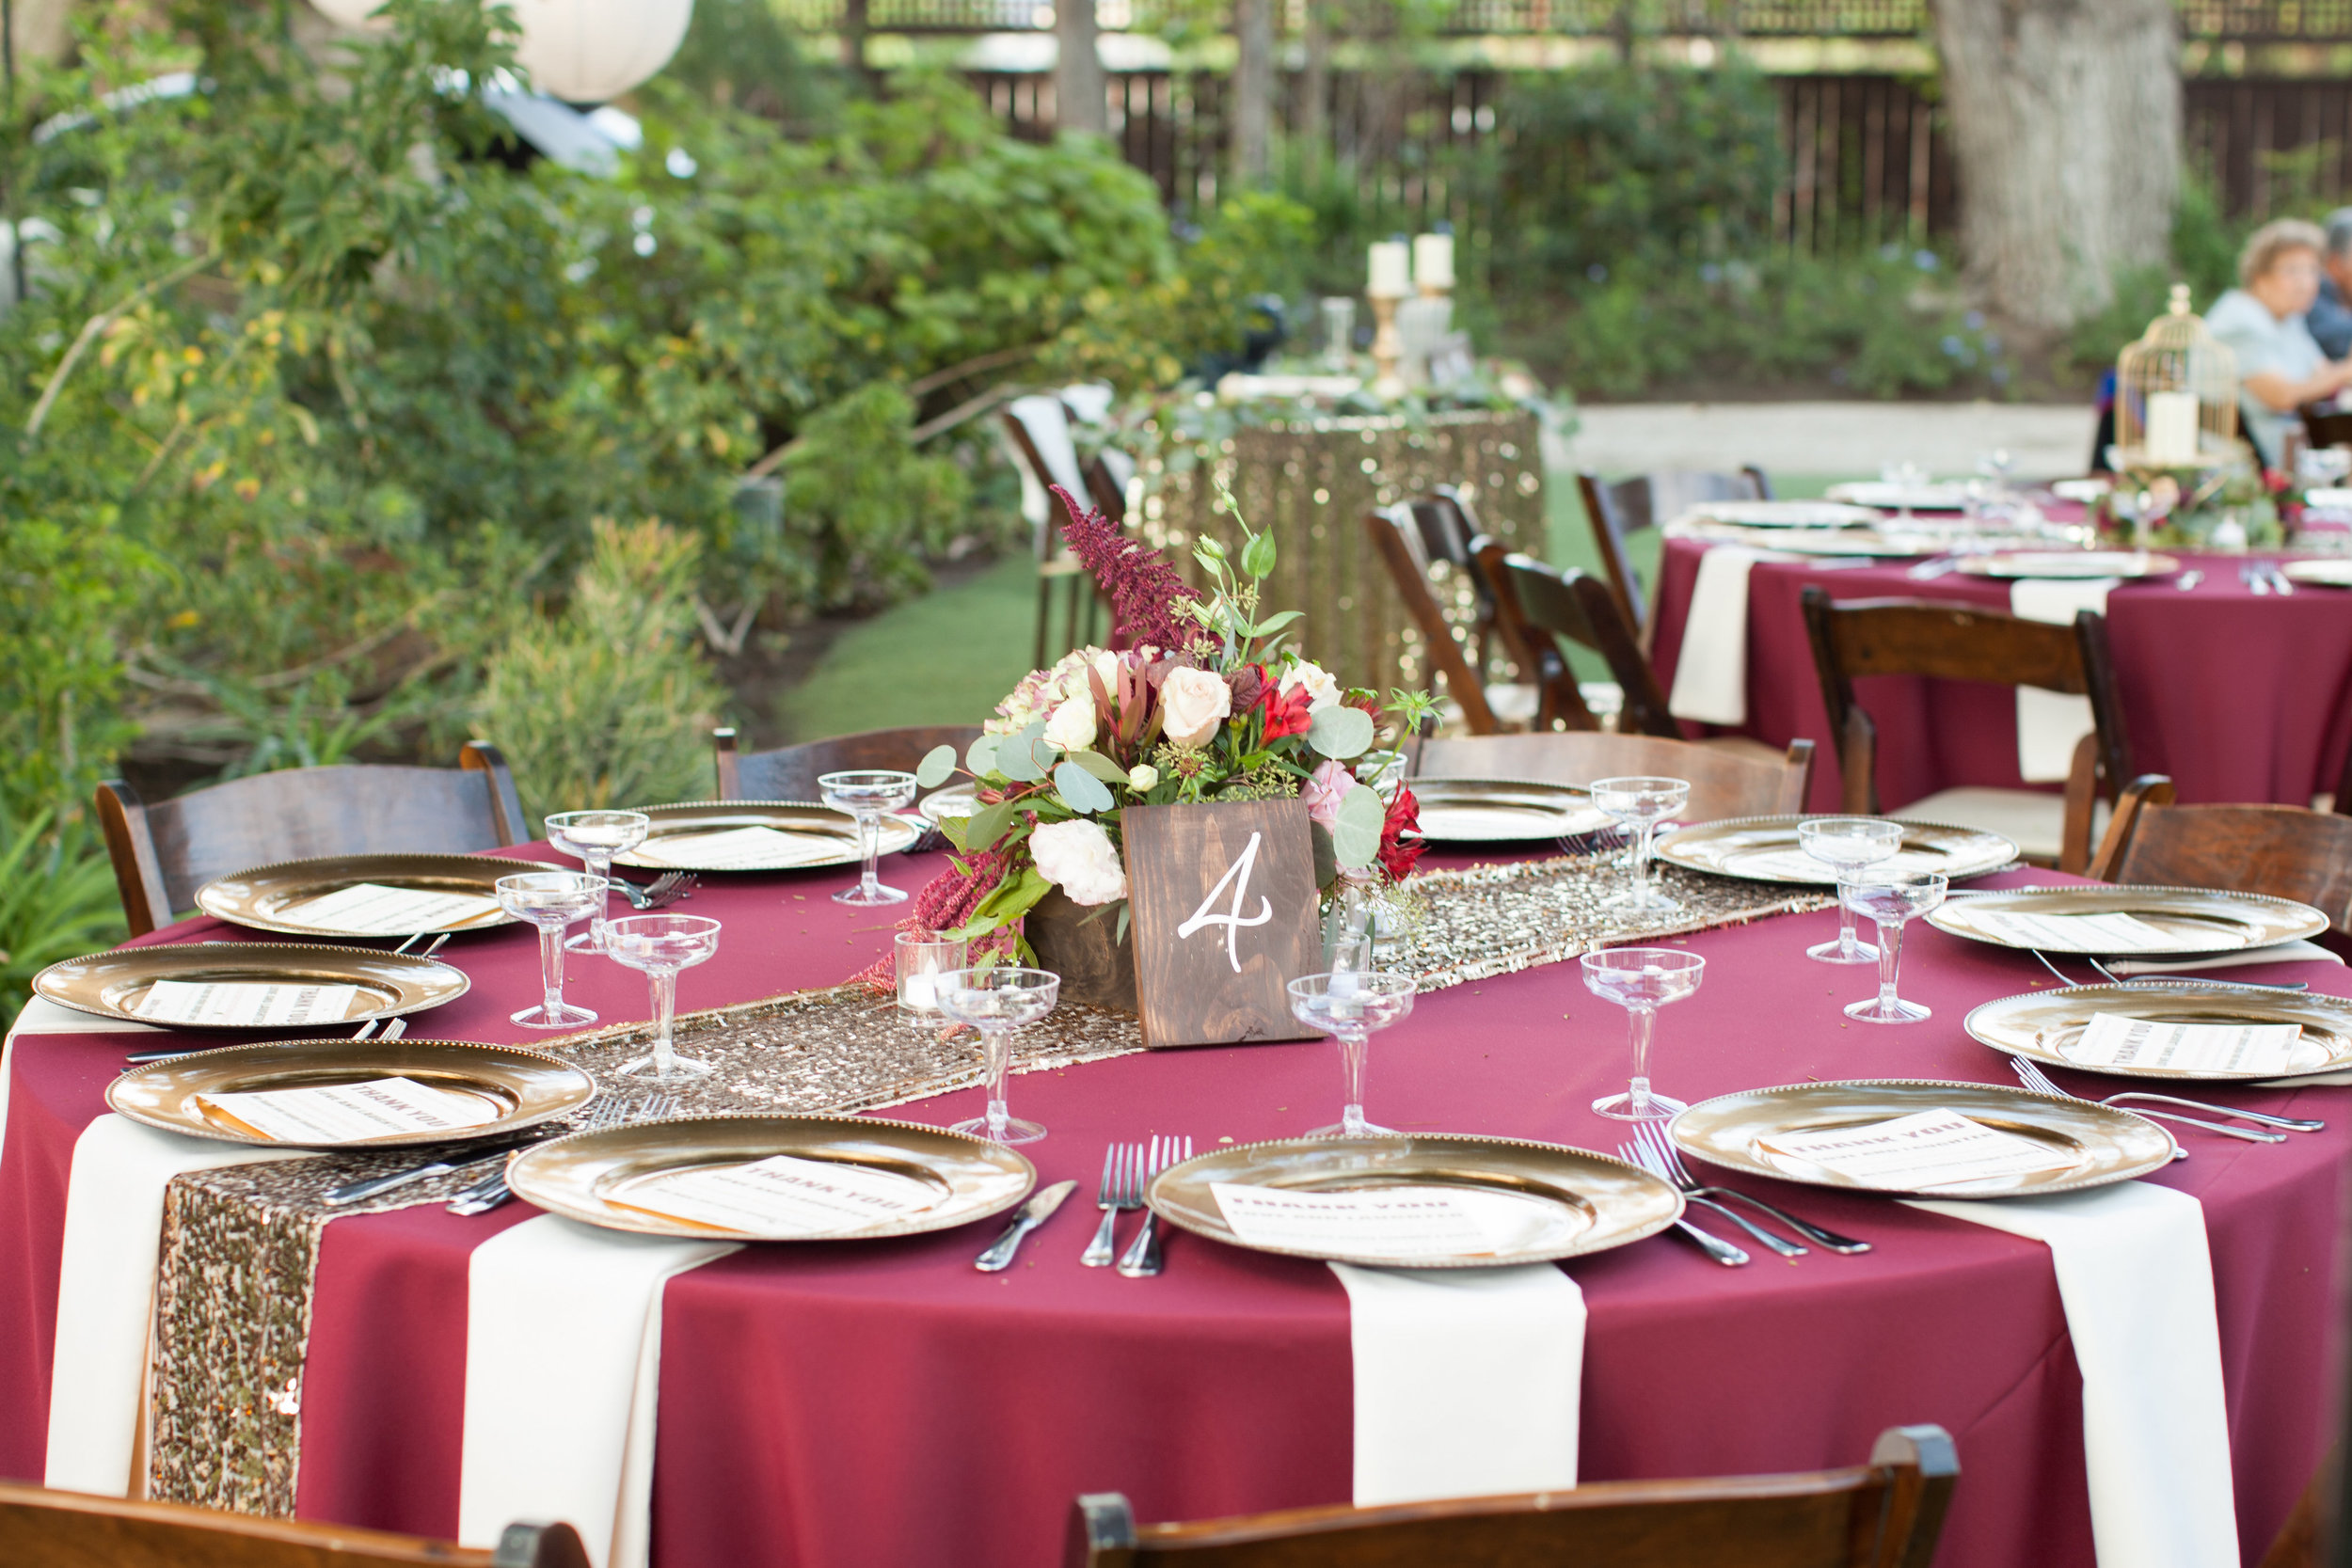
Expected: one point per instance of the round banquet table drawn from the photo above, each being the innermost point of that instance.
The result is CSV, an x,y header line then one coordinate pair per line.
x,y
2238,697
853,1406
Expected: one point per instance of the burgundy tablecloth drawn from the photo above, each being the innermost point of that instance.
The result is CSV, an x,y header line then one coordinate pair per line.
x,y
881,1405
2238,697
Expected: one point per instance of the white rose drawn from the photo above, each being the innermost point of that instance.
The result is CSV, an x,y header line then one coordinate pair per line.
x,y
1196,702
1072,727
1077,857
1323,689
1141,777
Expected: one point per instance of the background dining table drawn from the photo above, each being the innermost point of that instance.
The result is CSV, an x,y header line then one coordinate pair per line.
x,y
854,1405
2237,696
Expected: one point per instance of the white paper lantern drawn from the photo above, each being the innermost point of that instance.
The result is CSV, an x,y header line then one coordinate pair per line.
x,y
580,51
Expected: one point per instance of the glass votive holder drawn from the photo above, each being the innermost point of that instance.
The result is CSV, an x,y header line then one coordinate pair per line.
x,y
920,961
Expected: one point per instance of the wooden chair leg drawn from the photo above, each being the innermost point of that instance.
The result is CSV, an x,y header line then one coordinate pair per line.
x,y
2297,1544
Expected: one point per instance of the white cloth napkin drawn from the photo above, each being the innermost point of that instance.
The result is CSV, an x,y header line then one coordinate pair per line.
x,y
2137,1281
2051,723
563,1368
1467,1380
2277,953
1712,671
114,1223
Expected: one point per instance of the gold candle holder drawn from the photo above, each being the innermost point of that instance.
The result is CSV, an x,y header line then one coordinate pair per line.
x,y
1387,349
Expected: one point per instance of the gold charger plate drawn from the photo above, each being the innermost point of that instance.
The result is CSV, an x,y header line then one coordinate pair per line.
x,y
525,1086
2107,1145
1768,849
2045,1024
1499,811
831,835
112,984
2206,920
2069,563
954,800
1576,1202
257,899
589,1176
2336,573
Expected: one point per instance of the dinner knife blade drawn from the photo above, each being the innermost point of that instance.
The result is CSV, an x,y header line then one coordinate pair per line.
x,y
1033,1214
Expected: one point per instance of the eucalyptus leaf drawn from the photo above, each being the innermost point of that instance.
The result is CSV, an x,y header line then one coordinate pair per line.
x,y
981,759
1327,858
1099,766
1024,756
1273,623
1081,790
1257,557
936,764
1356,832
1341,732
983,828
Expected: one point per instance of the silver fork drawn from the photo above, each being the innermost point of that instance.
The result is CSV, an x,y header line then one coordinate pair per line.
x,y
661,891
392,1031
2261,1118
1679,1174
492,1190
1122,1188
2279,582
2253,579
2184,978
2030,1074
456,1160
1142,1257
1639,1154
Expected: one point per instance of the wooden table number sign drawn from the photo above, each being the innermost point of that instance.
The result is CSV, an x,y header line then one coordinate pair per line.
x,y
1225,915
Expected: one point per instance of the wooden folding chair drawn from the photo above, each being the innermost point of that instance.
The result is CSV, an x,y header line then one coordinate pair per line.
x,y
1884,1515
1397,539
1616,511
1535,604
1947,641
1039,428
2285,851
40,1528
1724,782
791,772
164,853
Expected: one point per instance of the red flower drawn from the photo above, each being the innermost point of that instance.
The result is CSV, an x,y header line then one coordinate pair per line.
x,y
1397,852
1249,686
1287,712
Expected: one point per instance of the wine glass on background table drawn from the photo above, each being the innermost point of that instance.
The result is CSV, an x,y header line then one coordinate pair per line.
x,y
1349,1005
1892,900
996,1000
660,945
1844,843
1639,804
595,837
1641,980
866,795
551,900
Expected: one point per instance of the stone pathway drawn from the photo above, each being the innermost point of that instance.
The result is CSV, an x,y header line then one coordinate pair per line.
x,y
1835,438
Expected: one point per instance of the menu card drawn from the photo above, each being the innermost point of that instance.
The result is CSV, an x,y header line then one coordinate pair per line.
x,y
344,1113
1403,1223
376,910
1797,863
810,1197
244,1004
2110,1040
740,849
2114,932
1928,1148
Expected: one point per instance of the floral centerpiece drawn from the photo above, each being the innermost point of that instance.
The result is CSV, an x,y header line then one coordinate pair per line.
x,y
2223,506
1201,701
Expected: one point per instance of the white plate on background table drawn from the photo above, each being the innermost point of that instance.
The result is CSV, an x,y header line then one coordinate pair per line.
x,y
112,984
822,836
2202,920
1574,1201
260,897
1871,542
1759,849
955,801
2047,1025
2105,1145
1889,497
1812,515
591,1177
2070,565
1502,811
2333,572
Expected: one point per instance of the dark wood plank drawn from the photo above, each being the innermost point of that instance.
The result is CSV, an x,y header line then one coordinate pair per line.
x,y
2285,851
1578,607
791,772
1395,536
1201,978
1616,511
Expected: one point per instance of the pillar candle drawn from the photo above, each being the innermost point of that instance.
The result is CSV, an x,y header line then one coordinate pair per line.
x,y
2172,439
1391,270
1433,261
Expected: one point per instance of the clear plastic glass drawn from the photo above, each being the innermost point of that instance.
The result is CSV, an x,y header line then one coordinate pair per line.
x,y
1892,900
1844,843
551,900
660,946
918,962
1641,980
595,837
996,1000
1348,1005
867,796
1639,804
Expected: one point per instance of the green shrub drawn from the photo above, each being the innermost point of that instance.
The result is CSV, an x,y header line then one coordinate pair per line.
x,y
57,900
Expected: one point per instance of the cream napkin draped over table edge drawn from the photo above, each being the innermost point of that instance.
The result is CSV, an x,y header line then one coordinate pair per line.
x,y
2051,723
1711,670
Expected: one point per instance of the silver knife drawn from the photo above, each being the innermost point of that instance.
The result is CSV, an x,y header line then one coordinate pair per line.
x,y
1033,1214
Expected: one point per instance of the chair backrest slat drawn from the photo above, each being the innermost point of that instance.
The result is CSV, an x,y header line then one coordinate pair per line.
x,y
2285,851
1723,782
1578,607
1397,539
791,772
1617,510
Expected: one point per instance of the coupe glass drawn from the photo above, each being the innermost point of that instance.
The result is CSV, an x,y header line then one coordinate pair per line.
x,y
1639,805
866,796
996,1000
1847,843
1890,898
1348,1005
551,900
595,837
1641,980
660,946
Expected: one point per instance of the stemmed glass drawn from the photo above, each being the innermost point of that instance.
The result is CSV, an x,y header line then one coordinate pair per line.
x,y
996,1000
1847,843
1641,804
1348,1005
866,796
660,946
595,837
1641,980
551,900
1890,898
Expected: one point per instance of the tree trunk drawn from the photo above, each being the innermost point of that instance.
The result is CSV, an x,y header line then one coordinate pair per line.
x,y
2066,122
1078,100
1253,89
1314,88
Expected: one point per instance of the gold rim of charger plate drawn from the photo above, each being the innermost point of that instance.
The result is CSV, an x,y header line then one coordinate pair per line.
x,y
1684,839
222,900
85,984
2290,921
1468,792
1998,1026
894,833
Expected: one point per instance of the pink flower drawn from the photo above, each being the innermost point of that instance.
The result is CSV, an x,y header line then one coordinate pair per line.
x,y
1323,789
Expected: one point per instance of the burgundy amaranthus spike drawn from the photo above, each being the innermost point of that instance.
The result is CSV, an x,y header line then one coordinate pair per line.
x,y
1143,585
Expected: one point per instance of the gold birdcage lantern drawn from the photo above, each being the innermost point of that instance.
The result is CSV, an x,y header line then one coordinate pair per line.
x,y
2175,394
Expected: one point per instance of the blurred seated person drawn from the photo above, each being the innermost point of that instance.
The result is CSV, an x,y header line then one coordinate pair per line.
x,y
2330,315
2279,367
